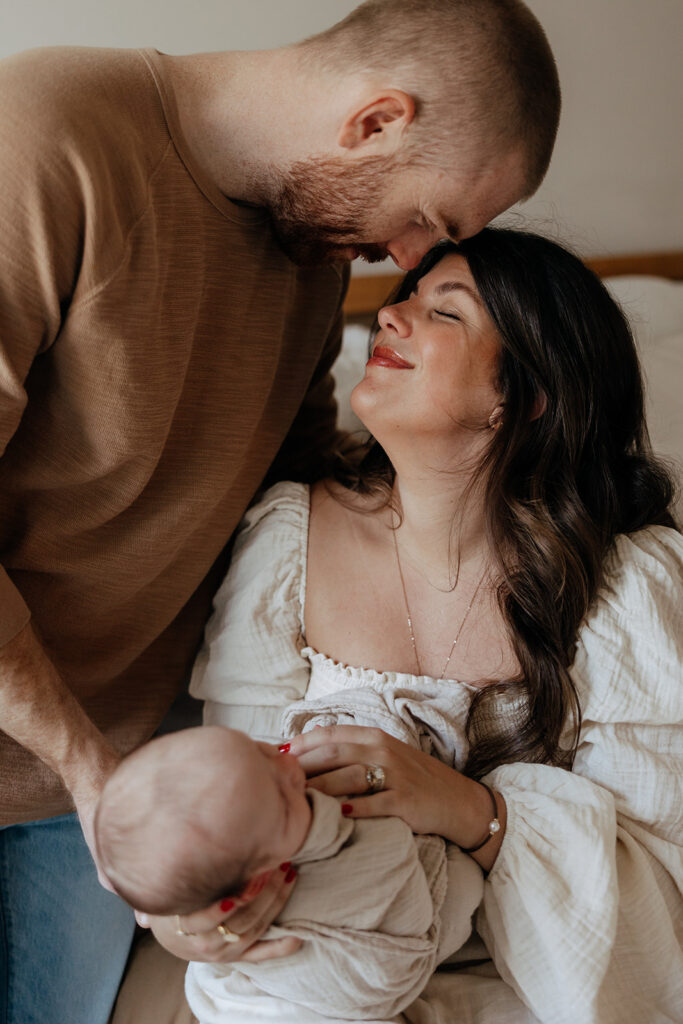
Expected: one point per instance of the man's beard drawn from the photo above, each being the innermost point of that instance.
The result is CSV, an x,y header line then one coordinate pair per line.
x,y
322,206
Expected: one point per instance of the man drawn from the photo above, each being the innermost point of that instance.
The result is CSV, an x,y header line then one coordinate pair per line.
x,y
172,265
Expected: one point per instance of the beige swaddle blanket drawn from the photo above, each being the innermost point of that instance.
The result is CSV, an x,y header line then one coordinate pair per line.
x,y
377,907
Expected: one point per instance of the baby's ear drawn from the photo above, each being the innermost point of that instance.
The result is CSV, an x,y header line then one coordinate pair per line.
x,y
253,887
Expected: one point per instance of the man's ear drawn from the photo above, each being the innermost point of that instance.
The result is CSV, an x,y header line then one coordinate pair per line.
x,y
379,123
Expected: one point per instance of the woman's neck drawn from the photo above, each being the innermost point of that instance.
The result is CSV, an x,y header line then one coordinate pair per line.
x,y
442,528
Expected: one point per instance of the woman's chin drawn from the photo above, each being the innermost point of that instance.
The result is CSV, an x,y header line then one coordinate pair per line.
x,y
359,403
363,402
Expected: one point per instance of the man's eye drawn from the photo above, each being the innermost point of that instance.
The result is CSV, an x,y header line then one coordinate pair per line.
x,y
450,316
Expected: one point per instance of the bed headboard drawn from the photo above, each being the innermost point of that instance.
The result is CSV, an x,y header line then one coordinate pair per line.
x,y
368,293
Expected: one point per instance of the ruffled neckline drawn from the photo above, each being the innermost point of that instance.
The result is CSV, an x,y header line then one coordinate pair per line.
x,y
355,674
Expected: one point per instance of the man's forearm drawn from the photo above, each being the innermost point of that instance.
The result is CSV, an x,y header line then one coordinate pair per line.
x,y
38,710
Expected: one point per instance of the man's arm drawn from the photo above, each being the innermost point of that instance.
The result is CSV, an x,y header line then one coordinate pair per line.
x,y
39,711
42,228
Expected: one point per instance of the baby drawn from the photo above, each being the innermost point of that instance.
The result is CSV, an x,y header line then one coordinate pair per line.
x,y
195,816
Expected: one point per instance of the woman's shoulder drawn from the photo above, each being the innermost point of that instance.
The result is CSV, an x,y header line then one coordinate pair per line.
x,y
252,641
650,559
286,500
642,585
279,515
335,508
629,656
286,513
269,553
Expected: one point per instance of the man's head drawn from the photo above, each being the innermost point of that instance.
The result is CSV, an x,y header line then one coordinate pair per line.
x,y
447,111
193,816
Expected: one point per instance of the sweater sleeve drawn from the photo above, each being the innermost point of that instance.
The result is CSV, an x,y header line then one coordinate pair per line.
x,y
250,665
41,227
582,911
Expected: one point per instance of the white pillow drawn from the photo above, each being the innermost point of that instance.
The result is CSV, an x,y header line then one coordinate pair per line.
x,y
654,307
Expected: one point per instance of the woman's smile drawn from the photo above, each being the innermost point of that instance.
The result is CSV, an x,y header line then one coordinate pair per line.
x,y
382,355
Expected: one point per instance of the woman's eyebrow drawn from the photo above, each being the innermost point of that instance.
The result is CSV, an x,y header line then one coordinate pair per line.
x,y
452,286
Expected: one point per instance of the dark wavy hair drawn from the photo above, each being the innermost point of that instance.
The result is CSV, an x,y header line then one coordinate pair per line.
x,y
559,487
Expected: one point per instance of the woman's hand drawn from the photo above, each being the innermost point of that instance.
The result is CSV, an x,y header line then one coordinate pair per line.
x,y
428,795
197,936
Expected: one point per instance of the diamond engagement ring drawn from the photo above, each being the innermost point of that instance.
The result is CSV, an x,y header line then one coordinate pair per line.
x,y
375,778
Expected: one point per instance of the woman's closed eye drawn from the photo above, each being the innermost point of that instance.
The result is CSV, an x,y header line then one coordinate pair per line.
x,y
449,316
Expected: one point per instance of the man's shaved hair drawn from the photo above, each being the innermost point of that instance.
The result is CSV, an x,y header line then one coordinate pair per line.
x,y
481,72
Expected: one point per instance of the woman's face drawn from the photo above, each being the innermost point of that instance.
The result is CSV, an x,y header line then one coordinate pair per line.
x,y
433,368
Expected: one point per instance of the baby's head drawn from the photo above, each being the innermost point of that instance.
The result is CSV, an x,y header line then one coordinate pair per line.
x,y
190,817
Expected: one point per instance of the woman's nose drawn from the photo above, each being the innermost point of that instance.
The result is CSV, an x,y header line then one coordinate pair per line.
x,y
393,318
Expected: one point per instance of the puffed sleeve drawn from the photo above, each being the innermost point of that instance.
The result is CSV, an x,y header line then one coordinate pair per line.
x,y
582,911
250,666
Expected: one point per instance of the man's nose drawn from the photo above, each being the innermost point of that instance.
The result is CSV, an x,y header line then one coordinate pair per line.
x,y
402,258
407,250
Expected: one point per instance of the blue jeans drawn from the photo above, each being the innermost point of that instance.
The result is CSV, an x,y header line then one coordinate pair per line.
x,y
64,940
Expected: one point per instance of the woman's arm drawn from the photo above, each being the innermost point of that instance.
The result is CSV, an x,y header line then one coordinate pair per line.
x,y
197,937
250,666
582,907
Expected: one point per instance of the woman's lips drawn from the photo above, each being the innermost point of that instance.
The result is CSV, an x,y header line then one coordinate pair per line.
x,y
384,356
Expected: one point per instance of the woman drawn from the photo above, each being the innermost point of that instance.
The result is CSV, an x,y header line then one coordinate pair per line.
x,y
510,530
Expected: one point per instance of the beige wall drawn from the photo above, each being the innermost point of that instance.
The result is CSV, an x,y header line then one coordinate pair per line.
x,y
616,183
616,180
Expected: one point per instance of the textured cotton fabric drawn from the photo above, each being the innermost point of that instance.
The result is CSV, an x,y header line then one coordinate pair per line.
x,y
367,904
155,345
582,913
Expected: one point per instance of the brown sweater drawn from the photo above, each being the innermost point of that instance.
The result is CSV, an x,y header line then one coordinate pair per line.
x,y
155,345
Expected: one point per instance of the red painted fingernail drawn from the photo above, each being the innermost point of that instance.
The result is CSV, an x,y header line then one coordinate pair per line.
x,y
346,809
291,875
227,905
284,749
286,866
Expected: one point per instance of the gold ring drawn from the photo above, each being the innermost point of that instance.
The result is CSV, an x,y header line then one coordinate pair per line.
x,y
178,929
228,936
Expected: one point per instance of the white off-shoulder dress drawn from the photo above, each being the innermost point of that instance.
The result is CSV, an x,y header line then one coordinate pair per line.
x,y
582,914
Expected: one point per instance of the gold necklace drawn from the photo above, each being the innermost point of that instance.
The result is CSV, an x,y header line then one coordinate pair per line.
x,y
411,628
